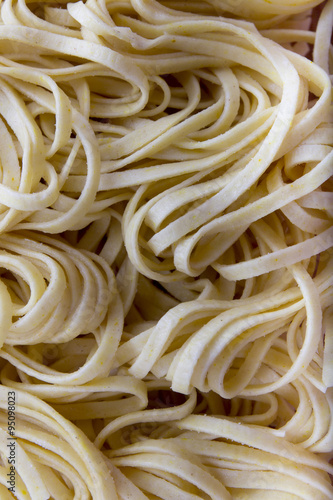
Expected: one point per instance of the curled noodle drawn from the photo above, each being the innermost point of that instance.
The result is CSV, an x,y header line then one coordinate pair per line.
x,y
166,250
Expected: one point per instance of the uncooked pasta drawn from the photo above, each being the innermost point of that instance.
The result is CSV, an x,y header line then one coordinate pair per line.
x,y
166,240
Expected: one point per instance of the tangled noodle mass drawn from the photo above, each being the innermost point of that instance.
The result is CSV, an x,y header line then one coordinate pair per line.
x,y
166,250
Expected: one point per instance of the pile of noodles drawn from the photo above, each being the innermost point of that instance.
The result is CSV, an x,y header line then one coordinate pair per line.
x,y
166,242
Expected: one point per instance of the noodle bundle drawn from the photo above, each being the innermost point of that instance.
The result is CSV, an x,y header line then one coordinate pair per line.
x,y
166,250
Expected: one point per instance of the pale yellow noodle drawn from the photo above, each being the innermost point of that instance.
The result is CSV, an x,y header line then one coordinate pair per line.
x,y
166,250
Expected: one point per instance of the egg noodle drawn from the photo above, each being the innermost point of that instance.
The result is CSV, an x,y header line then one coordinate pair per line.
x,y
166,250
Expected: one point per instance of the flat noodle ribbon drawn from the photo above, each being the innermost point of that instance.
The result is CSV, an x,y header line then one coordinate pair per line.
x,y
166,250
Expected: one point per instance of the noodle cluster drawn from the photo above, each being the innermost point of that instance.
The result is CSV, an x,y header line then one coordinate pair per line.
x,y
166,238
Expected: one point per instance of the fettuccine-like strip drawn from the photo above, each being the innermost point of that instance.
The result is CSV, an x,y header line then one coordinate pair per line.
x,y
166,250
